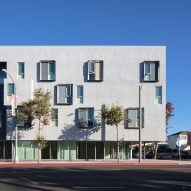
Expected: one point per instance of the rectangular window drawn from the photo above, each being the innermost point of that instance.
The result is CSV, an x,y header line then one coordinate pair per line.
x,y
86,117
133,116
95,70
64,94
158,95
151,71
80,94
54,117
3,65
10,89
21,70
47,70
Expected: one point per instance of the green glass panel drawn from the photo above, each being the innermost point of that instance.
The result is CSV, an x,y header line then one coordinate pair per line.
x,y
52,70
80,91
21,69
20,150
10,89
63,153
72,150
28,152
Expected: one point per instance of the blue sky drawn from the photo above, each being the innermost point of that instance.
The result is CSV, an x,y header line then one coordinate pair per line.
x,y
110,22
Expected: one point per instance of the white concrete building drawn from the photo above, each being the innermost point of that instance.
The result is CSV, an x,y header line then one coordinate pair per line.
x,y
81,79
180,139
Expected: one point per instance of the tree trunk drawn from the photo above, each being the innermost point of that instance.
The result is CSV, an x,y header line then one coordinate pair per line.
x,y
39,144
39,153
117,145
156,148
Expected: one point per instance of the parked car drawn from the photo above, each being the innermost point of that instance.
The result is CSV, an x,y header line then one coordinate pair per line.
x,y
183,155
164,156
136,154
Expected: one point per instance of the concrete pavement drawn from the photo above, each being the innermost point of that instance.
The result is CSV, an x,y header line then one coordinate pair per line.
x,y
95,163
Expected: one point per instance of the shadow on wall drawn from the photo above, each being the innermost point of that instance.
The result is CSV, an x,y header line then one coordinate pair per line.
x,y
73,132
10,124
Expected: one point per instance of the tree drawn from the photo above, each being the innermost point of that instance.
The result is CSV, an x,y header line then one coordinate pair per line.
x,y
169,114
169,111
38,108
113,116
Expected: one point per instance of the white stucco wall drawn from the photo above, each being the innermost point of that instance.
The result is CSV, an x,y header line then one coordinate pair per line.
x,y
120,86
174,140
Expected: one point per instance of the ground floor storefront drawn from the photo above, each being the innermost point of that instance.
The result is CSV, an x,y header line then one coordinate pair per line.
x,y
66,150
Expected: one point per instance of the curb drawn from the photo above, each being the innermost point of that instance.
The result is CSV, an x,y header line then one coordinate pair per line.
x,y
83,164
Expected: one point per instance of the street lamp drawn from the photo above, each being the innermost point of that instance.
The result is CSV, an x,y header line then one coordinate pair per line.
x,y
16,129
140,124
140,120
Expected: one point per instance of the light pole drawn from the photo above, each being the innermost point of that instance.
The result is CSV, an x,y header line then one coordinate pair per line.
x,y
16,129
140,125
140,119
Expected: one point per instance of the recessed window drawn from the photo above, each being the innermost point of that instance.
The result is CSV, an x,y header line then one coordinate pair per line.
x,y
80,93
54,117
95,70
151,71
21,70
10,89
86,117
64,94
158,94
47,70
3,65
133,116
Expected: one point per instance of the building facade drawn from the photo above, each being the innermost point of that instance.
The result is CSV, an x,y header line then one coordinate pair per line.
x,y
180,139
81,79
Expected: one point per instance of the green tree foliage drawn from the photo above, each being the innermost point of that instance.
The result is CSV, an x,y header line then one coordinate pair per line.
x,y
113,116
38,108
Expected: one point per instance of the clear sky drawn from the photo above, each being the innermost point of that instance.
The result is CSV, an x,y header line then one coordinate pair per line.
x,y
110,22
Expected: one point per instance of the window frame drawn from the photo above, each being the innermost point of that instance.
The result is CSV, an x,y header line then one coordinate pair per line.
x,y
85,124
48,75
137,118
158,99
80,97
12,92
147,77
68,94
92,74
21,75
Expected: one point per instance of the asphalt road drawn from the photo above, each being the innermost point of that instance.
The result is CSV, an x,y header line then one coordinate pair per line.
x,y
107,178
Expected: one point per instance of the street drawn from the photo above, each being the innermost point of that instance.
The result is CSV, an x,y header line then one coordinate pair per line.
x,y
130,178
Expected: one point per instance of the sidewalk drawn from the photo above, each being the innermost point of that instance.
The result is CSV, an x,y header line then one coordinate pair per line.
x,y
94,163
